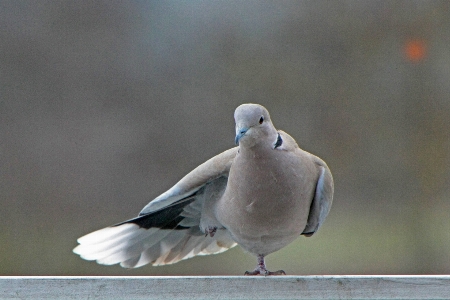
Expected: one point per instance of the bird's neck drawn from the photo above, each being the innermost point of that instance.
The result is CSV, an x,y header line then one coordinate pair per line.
x,y
258,150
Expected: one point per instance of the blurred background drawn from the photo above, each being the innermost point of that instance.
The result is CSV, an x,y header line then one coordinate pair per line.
x,y
106,104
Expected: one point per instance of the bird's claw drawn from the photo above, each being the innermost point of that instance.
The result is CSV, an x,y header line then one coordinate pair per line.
x,y
265,272
279,272
211,230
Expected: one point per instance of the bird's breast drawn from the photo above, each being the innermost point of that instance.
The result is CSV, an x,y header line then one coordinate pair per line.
x,y
270,197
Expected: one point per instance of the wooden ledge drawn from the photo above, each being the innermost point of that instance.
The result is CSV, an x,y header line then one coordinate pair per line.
x,y
226,287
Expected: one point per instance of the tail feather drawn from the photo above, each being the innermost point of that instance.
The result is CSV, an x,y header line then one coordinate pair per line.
x,y
133,247
109,246
105,234
162,237
130,248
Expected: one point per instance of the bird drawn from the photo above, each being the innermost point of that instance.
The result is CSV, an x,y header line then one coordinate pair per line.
x,y
262,195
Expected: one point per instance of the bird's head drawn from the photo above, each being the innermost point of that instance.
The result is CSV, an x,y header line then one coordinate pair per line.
x,y
253,125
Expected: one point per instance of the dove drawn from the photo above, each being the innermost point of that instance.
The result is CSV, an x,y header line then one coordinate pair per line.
x,y
262,195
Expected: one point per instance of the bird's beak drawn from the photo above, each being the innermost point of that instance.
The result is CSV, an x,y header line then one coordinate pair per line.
x,y
240,132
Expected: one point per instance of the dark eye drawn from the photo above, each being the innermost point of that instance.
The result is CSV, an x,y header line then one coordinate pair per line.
x,y
261,120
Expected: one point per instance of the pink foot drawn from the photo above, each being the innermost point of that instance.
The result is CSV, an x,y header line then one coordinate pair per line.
x,y
262,270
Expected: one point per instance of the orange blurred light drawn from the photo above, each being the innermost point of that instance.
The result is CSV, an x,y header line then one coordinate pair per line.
x,y
415,50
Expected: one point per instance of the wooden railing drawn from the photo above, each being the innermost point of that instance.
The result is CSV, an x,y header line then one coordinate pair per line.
x,y
224,287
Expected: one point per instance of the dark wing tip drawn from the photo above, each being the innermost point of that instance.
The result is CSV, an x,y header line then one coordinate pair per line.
x,y
308,234
166,218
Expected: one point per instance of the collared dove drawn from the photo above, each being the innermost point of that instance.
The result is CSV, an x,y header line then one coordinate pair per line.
x,y
262,195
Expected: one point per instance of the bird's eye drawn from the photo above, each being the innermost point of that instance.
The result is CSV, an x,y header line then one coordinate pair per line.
x,y
261,120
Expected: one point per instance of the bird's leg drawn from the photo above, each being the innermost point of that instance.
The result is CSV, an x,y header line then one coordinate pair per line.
x,y
211,230
262,270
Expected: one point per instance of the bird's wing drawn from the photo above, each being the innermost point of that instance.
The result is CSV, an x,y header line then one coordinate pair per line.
x,y
323,198
167,229
324,186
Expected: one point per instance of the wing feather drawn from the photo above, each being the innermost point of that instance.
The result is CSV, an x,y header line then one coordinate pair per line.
x,y
323,198
167,229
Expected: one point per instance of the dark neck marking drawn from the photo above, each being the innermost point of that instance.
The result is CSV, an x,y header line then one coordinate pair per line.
x,y
279,142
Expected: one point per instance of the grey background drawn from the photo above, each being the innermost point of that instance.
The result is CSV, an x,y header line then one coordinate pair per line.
x,y
106,104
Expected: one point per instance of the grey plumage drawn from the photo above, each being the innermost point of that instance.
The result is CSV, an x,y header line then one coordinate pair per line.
x,y
261,195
